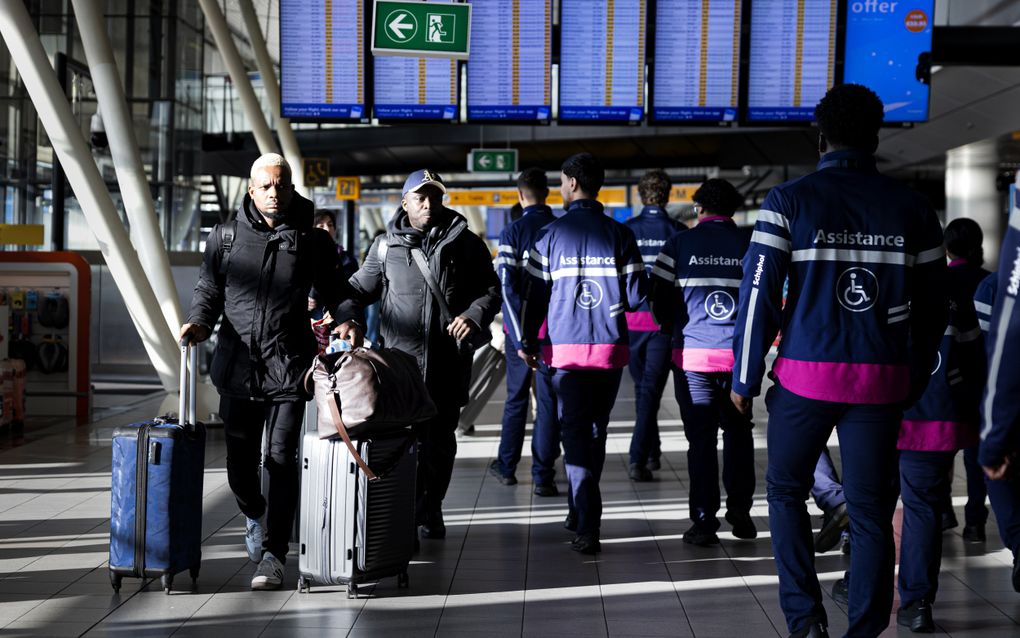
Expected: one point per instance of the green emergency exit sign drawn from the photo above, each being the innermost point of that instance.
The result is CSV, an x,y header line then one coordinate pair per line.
x,y
486,161
421,29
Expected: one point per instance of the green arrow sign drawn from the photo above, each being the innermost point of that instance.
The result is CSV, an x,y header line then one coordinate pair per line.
x,y
486,161
421,29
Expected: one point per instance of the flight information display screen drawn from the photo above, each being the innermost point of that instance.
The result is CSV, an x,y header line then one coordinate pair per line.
x,y
884,44
792,58
602,60
696,70
509,73
322,59
415,88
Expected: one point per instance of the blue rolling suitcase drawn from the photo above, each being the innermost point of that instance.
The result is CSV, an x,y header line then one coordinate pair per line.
x,y
156,504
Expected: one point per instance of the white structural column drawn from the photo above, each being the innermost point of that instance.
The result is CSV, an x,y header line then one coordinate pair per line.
x,y
33,65
288,141
127,159
971,192
239,77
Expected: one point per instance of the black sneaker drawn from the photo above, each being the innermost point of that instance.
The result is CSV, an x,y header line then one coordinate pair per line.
x,y
841,589
654,464
546,489
696,536
949,520
814,630
974,533
434,527
639,473
916,616
833,523
743,525
504,479
570,522
586,544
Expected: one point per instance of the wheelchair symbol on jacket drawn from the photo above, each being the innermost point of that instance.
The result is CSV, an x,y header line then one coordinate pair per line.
x,y
720,305
857,289
588,294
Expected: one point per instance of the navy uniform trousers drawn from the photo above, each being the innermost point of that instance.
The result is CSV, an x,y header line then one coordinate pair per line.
x,y
797,433
925,479
584,399
545,439
650,354
705,407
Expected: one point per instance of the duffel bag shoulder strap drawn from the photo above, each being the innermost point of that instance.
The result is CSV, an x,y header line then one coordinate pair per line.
x,y
342,429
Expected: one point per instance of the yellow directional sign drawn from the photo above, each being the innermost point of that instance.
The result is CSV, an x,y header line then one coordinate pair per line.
x,y
348,188
316,171
23,234
615,196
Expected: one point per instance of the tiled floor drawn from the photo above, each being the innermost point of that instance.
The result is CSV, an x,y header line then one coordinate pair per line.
x,y
505,568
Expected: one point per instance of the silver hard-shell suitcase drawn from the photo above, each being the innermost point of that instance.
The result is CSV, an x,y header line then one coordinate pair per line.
x,y
353,530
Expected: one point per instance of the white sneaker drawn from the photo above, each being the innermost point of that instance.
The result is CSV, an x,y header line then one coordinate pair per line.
x,y
269,573
254,535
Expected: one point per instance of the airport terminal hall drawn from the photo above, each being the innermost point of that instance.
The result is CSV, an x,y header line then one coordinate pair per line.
x,y
509,318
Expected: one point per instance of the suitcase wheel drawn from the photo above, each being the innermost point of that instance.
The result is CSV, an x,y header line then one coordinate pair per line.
x,y
304,585
115,580
167,580
352,591
402,581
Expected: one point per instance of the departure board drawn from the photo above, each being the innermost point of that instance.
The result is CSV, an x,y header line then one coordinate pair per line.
x,y
415,88
322,59
602,60
696,71
792,58
509,72
884,46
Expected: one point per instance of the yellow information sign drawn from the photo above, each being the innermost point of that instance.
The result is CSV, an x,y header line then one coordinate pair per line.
x,y
348,188
23,234
615,196
316,171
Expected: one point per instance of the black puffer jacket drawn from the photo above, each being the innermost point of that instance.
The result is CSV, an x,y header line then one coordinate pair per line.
x,y
409,317
260,284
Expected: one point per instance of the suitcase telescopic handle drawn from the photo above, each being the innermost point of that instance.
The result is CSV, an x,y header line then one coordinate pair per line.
x,y
188,412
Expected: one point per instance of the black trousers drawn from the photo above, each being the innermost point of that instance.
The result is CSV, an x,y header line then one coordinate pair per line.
x,y
437,439
243,423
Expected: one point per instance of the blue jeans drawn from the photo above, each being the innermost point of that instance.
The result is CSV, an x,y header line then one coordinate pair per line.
x,y
798,431
924,485
827,490
584,399
650,354
705,407
545,440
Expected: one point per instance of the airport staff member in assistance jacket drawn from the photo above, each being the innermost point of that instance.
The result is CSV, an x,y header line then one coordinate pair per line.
x,y
586,272
1000,430
411,320
515,245
649,348
256,274
863,319
696,282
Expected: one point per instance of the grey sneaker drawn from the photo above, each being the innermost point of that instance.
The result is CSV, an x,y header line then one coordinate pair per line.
x,y
254,535
269,573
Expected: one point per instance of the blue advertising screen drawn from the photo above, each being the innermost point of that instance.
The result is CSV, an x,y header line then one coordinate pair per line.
x,y
792,58
883,43
602,60
322,60
697,61
509,74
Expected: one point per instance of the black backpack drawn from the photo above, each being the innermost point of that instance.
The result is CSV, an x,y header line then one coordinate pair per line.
x,y
54,311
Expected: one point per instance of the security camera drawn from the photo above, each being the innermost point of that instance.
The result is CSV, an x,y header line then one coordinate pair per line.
x,y
98,130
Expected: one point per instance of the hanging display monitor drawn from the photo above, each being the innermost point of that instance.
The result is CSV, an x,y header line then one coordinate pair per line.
x,y
791,58
696,68
602,60
415,88
884,46
322,59
510,68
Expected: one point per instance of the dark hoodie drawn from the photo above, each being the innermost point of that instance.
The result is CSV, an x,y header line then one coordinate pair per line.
x,y
260,285
409,317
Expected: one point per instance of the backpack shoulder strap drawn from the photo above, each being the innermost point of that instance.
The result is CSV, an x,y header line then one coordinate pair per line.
x,y
227,234
380,253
